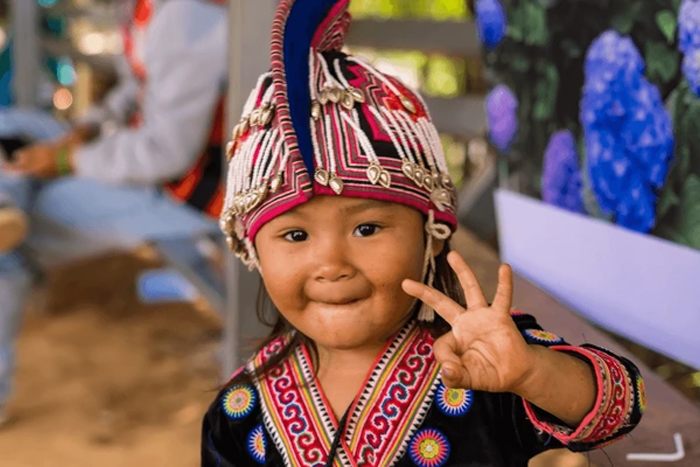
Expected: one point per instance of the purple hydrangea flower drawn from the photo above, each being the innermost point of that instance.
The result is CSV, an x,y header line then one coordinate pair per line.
x,y
691,70
561,175
502,117
628,132
613,64
491,21
689,42
689,26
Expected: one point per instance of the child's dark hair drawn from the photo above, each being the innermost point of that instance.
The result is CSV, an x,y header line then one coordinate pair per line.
x,y
446,281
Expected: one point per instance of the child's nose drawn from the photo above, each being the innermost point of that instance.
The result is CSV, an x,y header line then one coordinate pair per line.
x,y
333,263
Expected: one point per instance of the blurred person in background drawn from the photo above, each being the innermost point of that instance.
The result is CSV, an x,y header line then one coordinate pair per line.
x,y
101,186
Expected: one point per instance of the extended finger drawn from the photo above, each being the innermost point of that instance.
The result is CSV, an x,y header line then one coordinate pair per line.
x,y
472,290
503,299
441,303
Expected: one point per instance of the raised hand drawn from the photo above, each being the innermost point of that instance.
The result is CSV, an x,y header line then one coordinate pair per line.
x,y
484,350
41,161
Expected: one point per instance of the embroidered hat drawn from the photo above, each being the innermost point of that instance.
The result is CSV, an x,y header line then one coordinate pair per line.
x,y
323,122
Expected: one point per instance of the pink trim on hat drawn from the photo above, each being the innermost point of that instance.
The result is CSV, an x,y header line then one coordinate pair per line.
x,y
330,17
272,211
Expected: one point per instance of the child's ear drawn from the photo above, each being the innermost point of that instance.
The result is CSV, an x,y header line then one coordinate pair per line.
x,y
438,246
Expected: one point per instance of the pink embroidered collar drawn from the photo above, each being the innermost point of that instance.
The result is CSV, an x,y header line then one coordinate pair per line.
x,y
397,394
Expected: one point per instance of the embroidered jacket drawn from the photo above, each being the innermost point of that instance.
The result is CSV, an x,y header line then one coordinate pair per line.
x,y
405,416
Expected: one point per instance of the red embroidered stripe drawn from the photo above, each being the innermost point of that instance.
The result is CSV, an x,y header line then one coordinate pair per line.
x,y
613,407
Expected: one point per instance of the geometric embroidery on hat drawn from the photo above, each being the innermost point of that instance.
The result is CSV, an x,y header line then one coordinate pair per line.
x,y
542,337
257,444
325,123
429,448
453,402
239,402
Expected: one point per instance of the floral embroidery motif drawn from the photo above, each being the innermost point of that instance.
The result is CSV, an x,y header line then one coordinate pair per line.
x,y
239,402
257,446
453,402
641,394
429,448
542,337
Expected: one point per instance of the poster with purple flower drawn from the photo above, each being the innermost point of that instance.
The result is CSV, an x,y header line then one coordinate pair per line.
x,y
599,117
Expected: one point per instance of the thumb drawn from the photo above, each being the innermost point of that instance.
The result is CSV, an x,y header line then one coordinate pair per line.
x,y
455,375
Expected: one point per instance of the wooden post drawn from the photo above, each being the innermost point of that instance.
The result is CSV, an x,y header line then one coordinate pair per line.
x,y
25,51
250,22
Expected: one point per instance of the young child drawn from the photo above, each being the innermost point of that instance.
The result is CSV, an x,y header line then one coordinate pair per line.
x,y
338,193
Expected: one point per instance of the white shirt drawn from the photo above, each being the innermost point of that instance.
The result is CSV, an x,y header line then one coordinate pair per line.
x,y
186,55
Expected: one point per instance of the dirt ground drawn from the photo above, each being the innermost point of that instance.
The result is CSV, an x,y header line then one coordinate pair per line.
x,y
106,381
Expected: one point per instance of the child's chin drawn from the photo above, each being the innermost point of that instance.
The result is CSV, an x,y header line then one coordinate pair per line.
x,y
343,339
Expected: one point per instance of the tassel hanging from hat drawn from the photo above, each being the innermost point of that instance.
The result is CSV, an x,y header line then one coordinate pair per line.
x,y
435,231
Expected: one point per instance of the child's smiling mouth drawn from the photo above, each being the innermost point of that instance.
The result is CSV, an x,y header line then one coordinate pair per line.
x,y
340,302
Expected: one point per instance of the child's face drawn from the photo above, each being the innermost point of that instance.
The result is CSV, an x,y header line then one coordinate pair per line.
x,y
334,266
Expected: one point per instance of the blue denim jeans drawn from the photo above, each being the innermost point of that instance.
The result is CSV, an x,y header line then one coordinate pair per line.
x,y
73,218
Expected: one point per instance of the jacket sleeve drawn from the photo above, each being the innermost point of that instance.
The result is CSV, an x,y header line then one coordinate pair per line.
x,y
220,444
186,59
620,397
119,103
232,431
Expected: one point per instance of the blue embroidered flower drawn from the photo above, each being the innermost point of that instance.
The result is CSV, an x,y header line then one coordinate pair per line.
x,y
491,21
257,445
239,402
689,26
628,132
561,175
502,117
453,402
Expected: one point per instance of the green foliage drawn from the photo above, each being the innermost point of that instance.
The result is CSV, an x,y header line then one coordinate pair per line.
x,y
545,91
439,10
443,77
689,213
528,23
623,21
662,64
456,157
666,20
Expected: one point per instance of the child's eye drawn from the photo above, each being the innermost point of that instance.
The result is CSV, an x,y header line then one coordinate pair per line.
x,y
296,236
365,230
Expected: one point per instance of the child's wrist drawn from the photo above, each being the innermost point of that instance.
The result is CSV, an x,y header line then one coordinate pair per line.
x,y
64,160
528,384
